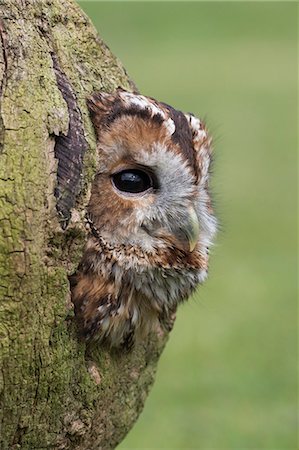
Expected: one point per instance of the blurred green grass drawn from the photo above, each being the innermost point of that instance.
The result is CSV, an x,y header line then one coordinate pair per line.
x,y
228,376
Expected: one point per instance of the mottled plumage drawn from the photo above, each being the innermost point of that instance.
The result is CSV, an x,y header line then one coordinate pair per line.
x,y
149,216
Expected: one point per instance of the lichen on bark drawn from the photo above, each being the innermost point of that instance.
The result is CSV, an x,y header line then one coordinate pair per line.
x,y
54,392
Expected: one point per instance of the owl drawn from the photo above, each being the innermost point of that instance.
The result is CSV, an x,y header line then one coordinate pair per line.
x,y
150,218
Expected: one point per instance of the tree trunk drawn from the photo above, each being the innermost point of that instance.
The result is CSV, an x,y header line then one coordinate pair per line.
x,y
54,391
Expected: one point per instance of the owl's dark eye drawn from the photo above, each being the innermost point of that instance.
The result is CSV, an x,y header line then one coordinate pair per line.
x,y
133,181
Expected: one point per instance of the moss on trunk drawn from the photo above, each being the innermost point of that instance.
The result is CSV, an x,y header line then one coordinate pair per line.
x,y
54,392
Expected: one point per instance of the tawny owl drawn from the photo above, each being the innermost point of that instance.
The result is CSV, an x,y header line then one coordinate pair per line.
x,y
150,218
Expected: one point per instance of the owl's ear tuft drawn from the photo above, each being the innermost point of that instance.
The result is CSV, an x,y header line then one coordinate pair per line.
x,y
99,105
100,102
120,89
134,91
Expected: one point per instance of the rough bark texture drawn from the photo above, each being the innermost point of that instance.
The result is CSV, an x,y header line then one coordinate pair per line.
x,y
54,392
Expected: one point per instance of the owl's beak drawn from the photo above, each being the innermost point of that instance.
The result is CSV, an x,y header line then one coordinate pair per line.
x,y
192,228
186,231
189,234
183,234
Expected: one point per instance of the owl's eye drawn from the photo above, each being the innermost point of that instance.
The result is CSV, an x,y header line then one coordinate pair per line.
x,y
133,181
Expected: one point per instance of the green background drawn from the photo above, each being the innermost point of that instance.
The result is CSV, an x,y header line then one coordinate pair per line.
x,y
228,376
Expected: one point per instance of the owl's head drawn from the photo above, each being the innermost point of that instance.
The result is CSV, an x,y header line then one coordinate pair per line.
x,y
150,196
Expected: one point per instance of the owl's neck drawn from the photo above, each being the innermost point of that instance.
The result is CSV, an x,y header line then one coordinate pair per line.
x,y
119,291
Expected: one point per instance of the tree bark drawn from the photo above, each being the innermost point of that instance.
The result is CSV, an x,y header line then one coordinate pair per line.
x,y
54,391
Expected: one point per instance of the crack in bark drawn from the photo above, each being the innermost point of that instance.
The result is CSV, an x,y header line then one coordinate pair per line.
x,y
3,43
69,150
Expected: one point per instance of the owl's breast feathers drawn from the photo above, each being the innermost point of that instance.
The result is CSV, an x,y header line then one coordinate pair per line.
x,y
121,294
